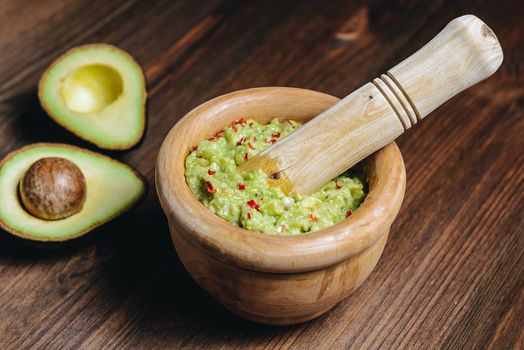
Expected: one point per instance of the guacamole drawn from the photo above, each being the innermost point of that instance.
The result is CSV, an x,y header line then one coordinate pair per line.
x,y
247,200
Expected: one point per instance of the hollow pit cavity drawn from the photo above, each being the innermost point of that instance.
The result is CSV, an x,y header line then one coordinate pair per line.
x,y
91,88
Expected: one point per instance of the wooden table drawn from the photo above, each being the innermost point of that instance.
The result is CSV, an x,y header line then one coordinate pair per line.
x,y
452,273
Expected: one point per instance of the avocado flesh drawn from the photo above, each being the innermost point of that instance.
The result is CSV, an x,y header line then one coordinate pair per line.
x,y
112,188
97,92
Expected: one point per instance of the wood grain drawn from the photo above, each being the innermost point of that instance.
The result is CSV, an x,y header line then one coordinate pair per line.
x,y
451,275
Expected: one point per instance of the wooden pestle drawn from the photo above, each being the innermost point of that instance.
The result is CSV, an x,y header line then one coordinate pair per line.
x,y
465,52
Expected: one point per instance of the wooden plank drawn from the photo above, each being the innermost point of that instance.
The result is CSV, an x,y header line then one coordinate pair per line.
x,y
452,273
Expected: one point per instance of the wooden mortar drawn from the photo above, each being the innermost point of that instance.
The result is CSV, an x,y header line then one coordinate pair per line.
x,y
274,279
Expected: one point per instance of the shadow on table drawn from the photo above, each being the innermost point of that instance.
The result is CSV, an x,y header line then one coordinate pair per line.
x,y
168,297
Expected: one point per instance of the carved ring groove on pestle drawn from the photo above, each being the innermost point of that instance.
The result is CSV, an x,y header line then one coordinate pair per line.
x,y
394,102
403,96
398,100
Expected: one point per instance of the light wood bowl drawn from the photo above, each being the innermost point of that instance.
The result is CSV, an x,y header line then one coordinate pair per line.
x,y
274,279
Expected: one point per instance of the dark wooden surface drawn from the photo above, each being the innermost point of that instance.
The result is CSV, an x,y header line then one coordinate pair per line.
x,y
451,275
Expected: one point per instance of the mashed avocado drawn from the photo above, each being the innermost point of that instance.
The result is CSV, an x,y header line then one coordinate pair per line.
x,y
247,200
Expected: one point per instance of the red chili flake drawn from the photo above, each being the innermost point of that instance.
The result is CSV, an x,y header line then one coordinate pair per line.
x,y
241,187
312,217
211,172
211,139
218,134
348,213
337,186
253,204
240,121
250,124
249,215
250,145
254,138
241,141
245,156
210,187
272,141
276,135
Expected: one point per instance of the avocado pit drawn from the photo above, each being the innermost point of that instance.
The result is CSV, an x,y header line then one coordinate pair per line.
x,y
53,188
91,88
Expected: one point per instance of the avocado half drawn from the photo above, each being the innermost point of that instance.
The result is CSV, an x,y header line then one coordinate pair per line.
x,y
98,92
112,188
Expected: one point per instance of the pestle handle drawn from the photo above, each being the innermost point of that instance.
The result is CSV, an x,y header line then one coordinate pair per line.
x,y
465,52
